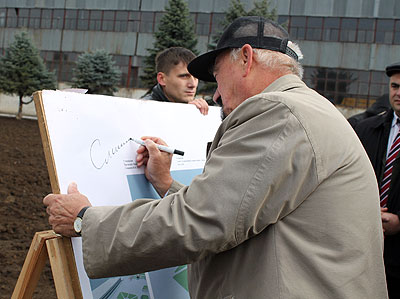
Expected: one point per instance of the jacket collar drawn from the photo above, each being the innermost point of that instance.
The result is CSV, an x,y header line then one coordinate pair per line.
x,y
285,83
384,119
159,94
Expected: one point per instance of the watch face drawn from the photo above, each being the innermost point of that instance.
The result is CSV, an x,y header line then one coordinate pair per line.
x,y
78,225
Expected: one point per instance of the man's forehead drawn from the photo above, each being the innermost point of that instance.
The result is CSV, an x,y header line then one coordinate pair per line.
x,y
395,78
181,67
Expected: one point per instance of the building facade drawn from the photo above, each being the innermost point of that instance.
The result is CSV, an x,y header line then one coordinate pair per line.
x,y
346,43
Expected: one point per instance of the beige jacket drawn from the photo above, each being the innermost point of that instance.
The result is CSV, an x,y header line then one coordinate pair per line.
x,y
287,207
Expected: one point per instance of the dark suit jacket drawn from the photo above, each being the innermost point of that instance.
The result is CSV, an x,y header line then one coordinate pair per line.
x,y
374,134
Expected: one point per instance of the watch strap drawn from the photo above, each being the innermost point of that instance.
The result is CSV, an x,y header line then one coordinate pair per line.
x,y
82,212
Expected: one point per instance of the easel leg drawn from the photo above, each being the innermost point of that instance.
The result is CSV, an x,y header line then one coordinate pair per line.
x,y
67,284
33,266
45,245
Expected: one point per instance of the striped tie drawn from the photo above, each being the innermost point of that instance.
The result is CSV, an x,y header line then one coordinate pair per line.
x,y
387,175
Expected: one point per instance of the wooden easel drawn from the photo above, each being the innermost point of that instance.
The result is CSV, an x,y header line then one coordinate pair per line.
x,y
47,244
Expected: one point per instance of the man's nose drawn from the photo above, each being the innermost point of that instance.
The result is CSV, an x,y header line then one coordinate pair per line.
x,y
216,96
192,82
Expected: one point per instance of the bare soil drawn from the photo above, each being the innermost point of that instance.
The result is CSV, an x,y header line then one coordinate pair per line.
x,y
24,181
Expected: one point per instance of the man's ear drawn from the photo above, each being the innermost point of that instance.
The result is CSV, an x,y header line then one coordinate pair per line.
x,y
246,57
161,78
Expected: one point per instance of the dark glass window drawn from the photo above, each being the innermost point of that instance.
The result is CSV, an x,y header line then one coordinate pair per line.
x,y
58,18
34,18
121,21
203,24
83,20
217,19
146,24
297,27
314,28
134,77
348,30
396,39
95,20
384,31
331,29
133,21
108,20
71,17
12,17
23,17
46,18
3,13
365,32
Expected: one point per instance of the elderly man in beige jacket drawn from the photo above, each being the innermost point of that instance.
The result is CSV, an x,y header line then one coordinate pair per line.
x,y
287,205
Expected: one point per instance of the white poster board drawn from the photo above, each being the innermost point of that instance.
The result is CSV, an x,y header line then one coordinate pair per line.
x,y
89,137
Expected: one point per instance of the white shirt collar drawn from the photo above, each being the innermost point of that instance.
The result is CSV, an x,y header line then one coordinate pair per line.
x,y
395,120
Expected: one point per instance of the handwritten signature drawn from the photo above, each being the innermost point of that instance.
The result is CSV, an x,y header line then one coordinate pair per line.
x,y
96,147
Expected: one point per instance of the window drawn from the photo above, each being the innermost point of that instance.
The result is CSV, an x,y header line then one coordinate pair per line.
x,y
365,33
384,31
71,19
331,29
95,20
108,20
297,27
348,30
216,23
378,84
58,19
396,39
146,24
121,21
22,17
46,18
67,65
83,20
12,17
133,21
3,13
34,18
202,24
334,84
314,28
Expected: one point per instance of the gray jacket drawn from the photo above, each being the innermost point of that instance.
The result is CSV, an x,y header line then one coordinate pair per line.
x,y
287,207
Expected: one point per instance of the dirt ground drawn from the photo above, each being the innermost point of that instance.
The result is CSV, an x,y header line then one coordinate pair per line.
x,y
24,182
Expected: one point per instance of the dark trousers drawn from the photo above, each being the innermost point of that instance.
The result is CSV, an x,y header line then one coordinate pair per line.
x,y
393,285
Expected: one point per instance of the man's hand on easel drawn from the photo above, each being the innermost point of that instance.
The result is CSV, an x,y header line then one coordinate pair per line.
x,y
64,208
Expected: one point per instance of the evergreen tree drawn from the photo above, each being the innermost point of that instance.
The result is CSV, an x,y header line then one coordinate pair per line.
x,y
22,70
236,9
176,30
96,72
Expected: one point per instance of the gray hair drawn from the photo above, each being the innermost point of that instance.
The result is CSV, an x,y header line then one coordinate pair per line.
x,y
276,60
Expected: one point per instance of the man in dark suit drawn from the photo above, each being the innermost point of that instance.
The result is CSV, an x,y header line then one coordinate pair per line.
x,y
381,139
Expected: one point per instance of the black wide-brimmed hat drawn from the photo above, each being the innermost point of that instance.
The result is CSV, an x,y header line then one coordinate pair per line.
x,y
393,69
258,32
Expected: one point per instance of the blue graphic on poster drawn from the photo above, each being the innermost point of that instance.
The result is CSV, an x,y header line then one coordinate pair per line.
x,y
169,283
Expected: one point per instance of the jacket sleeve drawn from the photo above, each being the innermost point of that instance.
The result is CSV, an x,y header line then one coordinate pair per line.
x,y
260,169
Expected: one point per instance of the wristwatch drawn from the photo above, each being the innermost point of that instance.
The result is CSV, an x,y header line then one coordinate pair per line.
x,y
78,221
